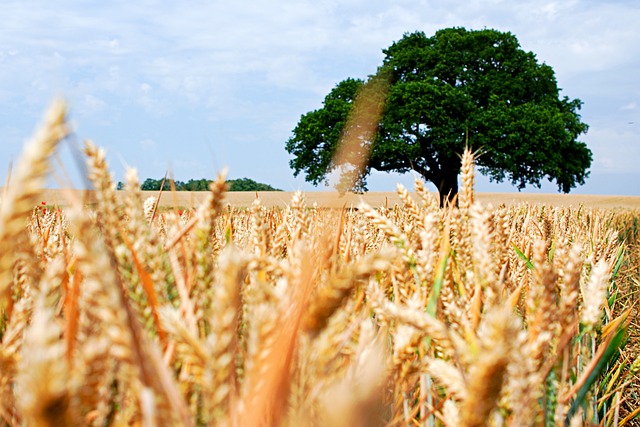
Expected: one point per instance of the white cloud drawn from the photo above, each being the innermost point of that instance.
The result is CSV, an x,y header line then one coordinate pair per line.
x,y
615,149
148,144
262,63
92,105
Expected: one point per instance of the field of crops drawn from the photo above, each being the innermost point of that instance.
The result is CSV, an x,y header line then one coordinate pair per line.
x,y
329,199
122,313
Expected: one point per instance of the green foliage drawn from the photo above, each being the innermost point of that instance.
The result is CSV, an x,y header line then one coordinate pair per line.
x,y
246,184
194,185
150,184
458,87
316,136
240,184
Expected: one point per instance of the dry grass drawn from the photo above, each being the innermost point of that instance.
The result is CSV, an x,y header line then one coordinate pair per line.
x,y
113,314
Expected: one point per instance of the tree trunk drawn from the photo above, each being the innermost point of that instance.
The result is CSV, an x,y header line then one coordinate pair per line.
x,y
447,184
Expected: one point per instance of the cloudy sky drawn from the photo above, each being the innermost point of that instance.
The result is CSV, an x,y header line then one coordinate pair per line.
x,y
196,86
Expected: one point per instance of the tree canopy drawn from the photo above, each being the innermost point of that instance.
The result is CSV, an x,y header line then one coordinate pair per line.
x,y
246,184
457,88
240,184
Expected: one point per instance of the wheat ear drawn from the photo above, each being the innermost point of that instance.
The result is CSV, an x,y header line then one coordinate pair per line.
x,y
22,194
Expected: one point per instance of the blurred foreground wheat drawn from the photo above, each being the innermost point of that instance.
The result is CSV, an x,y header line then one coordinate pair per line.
x,y
415,315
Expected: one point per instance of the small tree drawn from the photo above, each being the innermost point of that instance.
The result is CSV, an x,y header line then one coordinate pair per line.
x,y
247,184
240,184
197,185
151,184
456,88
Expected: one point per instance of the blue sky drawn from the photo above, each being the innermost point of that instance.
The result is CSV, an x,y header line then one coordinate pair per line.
x,y
196,86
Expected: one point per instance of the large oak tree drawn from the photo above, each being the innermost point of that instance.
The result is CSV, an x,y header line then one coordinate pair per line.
x,y
457,88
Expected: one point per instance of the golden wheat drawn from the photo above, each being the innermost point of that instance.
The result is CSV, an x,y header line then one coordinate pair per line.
x,y
404,315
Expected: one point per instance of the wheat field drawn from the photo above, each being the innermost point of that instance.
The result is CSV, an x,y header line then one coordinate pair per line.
x,y
117,310
329,199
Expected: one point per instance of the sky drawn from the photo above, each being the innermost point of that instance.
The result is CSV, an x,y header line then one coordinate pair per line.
x,y
197,86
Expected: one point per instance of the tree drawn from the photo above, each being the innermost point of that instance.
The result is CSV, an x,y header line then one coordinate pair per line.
x,y
151,184
457,88
247,184
196,185
240,184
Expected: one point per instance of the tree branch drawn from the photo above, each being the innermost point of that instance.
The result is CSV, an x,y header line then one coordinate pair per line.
x,y
428,174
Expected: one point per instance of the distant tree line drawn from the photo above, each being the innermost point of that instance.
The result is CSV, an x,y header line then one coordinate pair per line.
x,y
240,184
